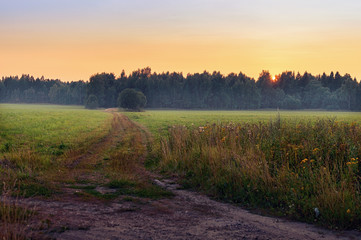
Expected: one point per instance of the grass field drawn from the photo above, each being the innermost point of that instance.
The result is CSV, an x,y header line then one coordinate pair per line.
x,y
159,121
300,164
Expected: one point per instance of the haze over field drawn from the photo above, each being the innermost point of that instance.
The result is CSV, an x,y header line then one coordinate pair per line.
x,y
72,40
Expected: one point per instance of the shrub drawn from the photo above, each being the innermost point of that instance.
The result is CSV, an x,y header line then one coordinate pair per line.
x,y
131,99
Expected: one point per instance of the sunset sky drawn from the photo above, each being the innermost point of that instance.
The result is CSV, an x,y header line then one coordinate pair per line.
x,y
73,39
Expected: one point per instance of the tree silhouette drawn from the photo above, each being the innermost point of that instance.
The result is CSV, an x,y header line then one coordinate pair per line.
x,y
131,99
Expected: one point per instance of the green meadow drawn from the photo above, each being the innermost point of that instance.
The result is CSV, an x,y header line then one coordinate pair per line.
x,y
159,121
48,129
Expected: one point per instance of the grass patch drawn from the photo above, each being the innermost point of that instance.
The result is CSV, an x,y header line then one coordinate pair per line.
x,y
153,192
34,189
159,121
13,217
88,187
142,189
12,213
48,129
121,184
88,193
129,199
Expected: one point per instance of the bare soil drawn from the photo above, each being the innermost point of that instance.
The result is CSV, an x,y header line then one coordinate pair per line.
x,y
187,215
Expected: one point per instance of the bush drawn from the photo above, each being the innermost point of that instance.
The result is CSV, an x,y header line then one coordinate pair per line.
x,y
131,99
92,102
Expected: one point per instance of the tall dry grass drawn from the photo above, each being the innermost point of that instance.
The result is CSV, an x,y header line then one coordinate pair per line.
x,y
309,171
13,217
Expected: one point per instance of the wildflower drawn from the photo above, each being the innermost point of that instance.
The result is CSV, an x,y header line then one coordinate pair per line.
x,y
351,163
223,139
304,160
352,159
316,150
201,129
348,211
312,160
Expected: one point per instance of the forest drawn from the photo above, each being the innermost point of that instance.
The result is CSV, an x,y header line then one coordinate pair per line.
x,y
194,91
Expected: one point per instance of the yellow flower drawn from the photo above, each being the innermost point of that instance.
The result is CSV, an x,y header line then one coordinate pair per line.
x,y
304,160
352,159
348,211
312,160
348,163
316,149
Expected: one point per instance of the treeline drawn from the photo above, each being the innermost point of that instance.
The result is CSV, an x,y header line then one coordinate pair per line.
x,y
195,91
28,89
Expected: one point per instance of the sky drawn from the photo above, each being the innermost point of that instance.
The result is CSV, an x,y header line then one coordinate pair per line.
x,y
71,40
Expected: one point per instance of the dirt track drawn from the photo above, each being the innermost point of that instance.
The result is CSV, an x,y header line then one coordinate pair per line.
x,y
188,215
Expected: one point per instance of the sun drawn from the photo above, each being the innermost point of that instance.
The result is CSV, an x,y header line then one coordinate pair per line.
x,y
273,78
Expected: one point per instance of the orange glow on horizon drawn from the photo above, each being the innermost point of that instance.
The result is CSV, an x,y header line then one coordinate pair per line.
x,y
79,40
78,61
